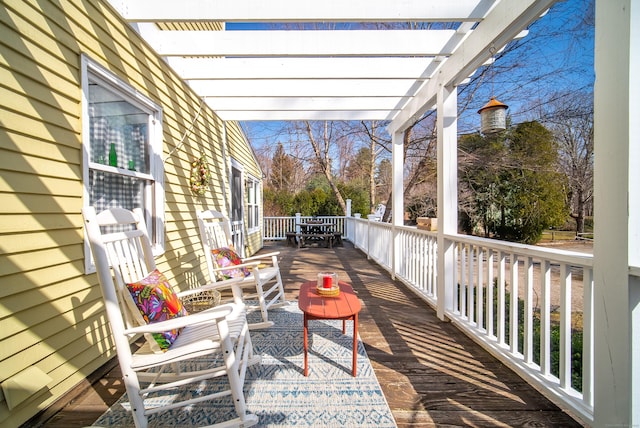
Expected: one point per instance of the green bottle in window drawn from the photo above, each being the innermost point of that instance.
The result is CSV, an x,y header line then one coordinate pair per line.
x,y
113,156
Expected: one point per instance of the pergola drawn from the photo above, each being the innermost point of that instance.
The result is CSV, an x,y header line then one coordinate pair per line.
x,y
337,72
343,72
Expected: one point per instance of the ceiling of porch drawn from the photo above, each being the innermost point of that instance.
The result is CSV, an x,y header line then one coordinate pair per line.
x,y
329,59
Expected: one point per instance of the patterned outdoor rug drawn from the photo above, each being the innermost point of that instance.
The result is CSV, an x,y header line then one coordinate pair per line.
x,y
277,391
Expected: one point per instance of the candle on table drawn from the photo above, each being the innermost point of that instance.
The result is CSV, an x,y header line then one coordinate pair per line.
x,y
327,281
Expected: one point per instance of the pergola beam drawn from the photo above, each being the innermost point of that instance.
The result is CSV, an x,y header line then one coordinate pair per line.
x,y
304,88
270,115
300,68
302,43
306,103
303,10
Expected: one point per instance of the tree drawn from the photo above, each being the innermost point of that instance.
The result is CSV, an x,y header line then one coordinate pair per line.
x,y
283,170
278,202
419,158
571,120
321,147
510,187
358,169
373,150
383,180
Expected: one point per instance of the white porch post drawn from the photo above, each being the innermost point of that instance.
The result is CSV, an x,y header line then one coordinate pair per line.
x,y
397,192
617,214
447,128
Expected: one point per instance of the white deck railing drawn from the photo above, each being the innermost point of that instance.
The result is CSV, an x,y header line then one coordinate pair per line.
x,y
237,237
275,228
547,293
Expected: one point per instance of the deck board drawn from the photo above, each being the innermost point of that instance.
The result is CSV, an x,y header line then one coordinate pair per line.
x,y
432,374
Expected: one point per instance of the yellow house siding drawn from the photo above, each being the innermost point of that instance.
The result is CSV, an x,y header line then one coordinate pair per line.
x,y
240,151
51,312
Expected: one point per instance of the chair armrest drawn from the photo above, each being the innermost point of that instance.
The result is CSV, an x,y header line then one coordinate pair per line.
x,y
241,265
214,314
262,256
222,284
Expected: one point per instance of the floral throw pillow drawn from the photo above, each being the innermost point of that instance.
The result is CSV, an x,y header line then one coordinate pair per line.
x,y
226,257
157,302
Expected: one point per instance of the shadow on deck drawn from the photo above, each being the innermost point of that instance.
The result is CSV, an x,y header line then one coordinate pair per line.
x,y
430,372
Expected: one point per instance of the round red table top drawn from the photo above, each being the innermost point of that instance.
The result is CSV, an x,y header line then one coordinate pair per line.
x,y
343,305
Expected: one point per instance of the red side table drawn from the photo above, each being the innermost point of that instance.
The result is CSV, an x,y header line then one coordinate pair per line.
x,y
345,306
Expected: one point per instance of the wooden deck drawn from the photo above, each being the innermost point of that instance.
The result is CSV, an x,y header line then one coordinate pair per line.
x,y
431,374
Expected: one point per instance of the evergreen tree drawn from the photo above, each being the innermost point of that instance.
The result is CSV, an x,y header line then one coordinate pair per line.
x,y
510,187
282,170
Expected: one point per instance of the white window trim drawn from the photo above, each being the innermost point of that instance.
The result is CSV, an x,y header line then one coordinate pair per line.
x,y
255,184
154,209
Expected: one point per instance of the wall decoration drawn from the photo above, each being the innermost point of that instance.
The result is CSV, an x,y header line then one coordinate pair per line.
x,y
200,176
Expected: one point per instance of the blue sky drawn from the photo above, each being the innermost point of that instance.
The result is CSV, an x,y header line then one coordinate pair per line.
x,y
556,56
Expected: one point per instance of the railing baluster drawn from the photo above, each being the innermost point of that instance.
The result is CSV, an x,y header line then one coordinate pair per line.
x,y
528,310
480,290
471,288
490,295
413,257
565,326
454,272
545,318
501,298
513,305
410,270
463,281
434,265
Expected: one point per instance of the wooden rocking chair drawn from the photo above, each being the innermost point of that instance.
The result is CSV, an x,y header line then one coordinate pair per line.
x,y
260,273
133,291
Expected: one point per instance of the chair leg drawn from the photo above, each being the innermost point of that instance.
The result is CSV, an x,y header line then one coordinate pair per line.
x,y
234,370
262,303
281,295
132,386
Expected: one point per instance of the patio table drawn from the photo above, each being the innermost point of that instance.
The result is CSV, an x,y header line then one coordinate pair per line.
x,y
316,232
317,227
345,306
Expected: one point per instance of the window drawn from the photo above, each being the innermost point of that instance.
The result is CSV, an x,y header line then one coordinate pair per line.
x,y
122,140
253,204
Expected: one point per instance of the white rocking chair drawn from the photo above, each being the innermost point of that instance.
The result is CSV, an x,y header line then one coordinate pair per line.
x,y
263,271
219,331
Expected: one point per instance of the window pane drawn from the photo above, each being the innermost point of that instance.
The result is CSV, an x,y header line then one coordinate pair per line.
x,y
117,127
108,190
256,217
251,195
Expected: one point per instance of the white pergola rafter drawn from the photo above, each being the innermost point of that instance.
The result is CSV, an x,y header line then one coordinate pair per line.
x,y
194,68
300,43
303,11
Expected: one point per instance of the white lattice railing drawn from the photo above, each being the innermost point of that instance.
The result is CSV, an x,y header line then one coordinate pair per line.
x,y
494,285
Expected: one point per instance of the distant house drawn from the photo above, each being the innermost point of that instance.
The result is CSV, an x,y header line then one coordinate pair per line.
x,y
89,114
